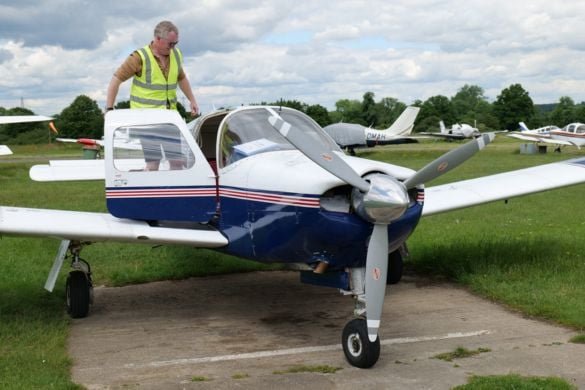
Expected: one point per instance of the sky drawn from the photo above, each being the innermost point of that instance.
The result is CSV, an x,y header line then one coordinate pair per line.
x,y
315,51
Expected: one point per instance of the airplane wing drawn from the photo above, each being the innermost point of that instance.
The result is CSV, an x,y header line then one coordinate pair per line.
x,y
87,226
5,119
535,138
446,136
467,193
5,150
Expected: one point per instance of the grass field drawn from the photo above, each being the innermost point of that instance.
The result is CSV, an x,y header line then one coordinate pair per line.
x,y
527,253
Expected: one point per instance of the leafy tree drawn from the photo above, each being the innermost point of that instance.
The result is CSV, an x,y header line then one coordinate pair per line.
x,y
433,110
348,111
580,112
319,114
468,102
369,109
513,105
387,111
565,112
123,104
83,118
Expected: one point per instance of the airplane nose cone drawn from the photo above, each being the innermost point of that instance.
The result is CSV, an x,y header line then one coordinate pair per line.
x,y
386,201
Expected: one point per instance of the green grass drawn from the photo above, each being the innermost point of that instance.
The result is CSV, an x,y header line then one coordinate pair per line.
x,y
515,382
528,253
460,353
579,339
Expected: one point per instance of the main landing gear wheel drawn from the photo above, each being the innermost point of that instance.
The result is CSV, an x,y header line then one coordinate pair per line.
x,y
78,289
395,267
359,350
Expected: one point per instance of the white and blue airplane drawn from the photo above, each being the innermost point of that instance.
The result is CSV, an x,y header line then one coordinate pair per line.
x,y
455,132
267,184
351,135
6,119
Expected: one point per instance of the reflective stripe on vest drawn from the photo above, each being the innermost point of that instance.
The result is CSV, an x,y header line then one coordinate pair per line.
x,y
151,89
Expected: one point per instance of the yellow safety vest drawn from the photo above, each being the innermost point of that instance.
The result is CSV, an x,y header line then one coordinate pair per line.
x,y
151,89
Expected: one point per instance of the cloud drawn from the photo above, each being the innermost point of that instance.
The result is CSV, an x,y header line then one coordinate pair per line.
x,y
316,51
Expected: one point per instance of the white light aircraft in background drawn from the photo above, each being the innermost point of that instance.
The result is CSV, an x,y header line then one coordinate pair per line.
x,y
7,119
351,135
571,135
266,184
456,132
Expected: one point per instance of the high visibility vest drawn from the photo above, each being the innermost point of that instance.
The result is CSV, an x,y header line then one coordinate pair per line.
x,y
151,89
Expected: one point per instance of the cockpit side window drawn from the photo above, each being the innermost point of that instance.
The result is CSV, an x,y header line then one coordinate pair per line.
x,y
151,148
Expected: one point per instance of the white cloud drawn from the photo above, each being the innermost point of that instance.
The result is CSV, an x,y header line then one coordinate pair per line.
x,y
314,51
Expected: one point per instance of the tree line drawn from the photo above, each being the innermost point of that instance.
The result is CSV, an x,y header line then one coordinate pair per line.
x,y
84,119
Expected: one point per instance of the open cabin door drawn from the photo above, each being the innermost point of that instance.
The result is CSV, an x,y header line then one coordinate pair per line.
x,y
154,169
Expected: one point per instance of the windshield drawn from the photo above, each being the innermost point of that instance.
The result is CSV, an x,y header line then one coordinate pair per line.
x,y
248,132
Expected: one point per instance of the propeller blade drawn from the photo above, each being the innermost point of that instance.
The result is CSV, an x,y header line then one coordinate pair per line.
x,y
326,159
376,273
449,161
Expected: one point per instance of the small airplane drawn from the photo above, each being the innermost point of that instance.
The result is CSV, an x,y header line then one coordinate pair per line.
x,y
543,131
456,132
267,184
7,119
350,135
574,133
571,135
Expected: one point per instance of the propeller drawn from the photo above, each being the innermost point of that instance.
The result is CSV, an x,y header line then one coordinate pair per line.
x,y
377,198
448,161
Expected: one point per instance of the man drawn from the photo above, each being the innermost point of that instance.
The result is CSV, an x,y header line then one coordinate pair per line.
x,y
157,70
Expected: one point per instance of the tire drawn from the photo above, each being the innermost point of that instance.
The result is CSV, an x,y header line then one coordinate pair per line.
x,y
395,267
358,349
78,294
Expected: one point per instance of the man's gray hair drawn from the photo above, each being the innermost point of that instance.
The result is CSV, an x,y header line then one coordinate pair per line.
x,y
164,28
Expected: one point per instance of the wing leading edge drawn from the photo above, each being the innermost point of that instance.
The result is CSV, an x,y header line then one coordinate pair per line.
x,y
506,185
87,226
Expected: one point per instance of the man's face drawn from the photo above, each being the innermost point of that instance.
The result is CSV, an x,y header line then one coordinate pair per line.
x,y
165,45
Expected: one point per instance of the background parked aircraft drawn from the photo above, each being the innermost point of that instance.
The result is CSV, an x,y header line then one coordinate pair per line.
x,y
351,135
571,135
456,132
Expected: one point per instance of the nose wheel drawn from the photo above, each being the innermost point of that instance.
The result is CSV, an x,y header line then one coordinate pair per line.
x,y
358,349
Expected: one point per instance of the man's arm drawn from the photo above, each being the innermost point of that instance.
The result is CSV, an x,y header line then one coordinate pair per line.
x,y
113,88
186,88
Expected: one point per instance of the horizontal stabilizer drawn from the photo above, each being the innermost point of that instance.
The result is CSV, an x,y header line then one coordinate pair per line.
x,y
67,170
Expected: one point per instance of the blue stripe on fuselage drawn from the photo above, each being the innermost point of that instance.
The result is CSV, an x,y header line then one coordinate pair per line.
x,y
282,233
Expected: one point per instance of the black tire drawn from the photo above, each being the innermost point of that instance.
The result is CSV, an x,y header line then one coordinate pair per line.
x,y
78,294
395,267
358,349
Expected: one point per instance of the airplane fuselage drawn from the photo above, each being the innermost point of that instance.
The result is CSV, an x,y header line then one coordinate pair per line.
x,y
244,179
573,133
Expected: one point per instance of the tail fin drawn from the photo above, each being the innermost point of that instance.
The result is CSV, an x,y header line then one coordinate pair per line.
x,y
404,124
523,126
442,127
